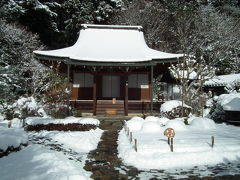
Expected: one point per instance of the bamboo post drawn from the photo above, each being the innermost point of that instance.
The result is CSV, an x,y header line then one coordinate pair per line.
x,y
135,144
212,141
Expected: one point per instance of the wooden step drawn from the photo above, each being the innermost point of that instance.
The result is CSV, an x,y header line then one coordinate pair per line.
x,y
107,108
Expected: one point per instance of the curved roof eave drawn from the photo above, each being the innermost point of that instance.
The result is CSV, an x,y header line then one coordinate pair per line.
x,y
109,44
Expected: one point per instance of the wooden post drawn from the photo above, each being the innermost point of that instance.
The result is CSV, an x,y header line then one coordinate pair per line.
x,y
9,124
135,144
130,137
171,146
68,79
212,141
126,95
94,96
151,92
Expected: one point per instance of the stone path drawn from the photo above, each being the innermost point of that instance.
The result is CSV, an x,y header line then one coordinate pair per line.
x,y
55,146
103,162
105,165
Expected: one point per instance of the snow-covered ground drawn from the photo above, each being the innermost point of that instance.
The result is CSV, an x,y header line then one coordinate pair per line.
x,y
50,155
78,141
38,162
192,143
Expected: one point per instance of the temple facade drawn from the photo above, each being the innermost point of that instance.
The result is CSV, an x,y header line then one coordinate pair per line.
x,y
111,70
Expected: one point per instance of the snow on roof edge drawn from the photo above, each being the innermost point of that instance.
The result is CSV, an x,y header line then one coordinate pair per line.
x,y
102,26
223,80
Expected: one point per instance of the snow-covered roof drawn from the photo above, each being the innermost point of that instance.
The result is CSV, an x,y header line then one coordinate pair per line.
x,y
109,43
224,80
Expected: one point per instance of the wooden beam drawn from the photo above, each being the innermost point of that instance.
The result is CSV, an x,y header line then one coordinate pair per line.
x,y
111,64
94,95
151,90
69,89
126,95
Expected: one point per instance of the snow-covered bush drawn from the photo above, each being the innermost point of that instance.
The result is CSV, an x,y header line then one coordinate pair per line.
x,y
135,123
12,139
22,108
174,109
222,103
25,107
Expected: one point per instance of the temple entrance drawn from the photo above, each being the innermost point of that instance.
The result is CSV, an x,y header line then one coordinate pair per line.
x,y
110,86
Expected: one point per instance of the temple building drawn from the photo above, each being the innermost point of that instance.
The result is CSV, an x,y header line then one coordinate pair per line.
x,y
111,70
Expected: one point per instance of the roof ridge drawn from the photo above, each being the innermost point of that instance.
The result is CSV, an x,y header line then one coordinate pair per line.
x,y
102,26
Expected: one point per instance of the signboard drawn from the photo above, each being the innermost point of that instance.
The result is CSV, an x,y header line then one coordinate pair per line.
x,y
144,86
76,85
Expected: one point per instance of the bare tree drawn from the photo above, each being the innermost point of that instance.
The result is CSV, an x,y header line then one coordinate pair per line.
x,y
192,75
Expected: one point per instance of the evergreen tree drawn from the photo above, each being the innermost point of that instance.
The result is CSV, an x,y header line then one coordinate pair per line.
x,y
16,61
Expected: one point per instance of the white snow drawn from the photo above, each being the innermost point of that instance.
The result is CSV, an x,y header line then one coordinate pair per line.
x,y
109,43
230,102
223,80
169,105
12,137
36,162
44,162
192,146
68,120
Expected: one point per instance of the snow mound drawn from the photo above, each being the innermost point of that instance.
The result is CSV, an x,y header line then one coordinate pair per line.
x,y
135,124
176,124
169,105
152,119
189,120
163,121
11,137
203,124
151,127
68,120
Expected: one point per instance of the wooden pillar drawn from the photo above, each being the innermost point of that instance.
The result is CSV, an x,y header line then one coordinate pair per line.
x,y
69,89
94,95
151,92
126,95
